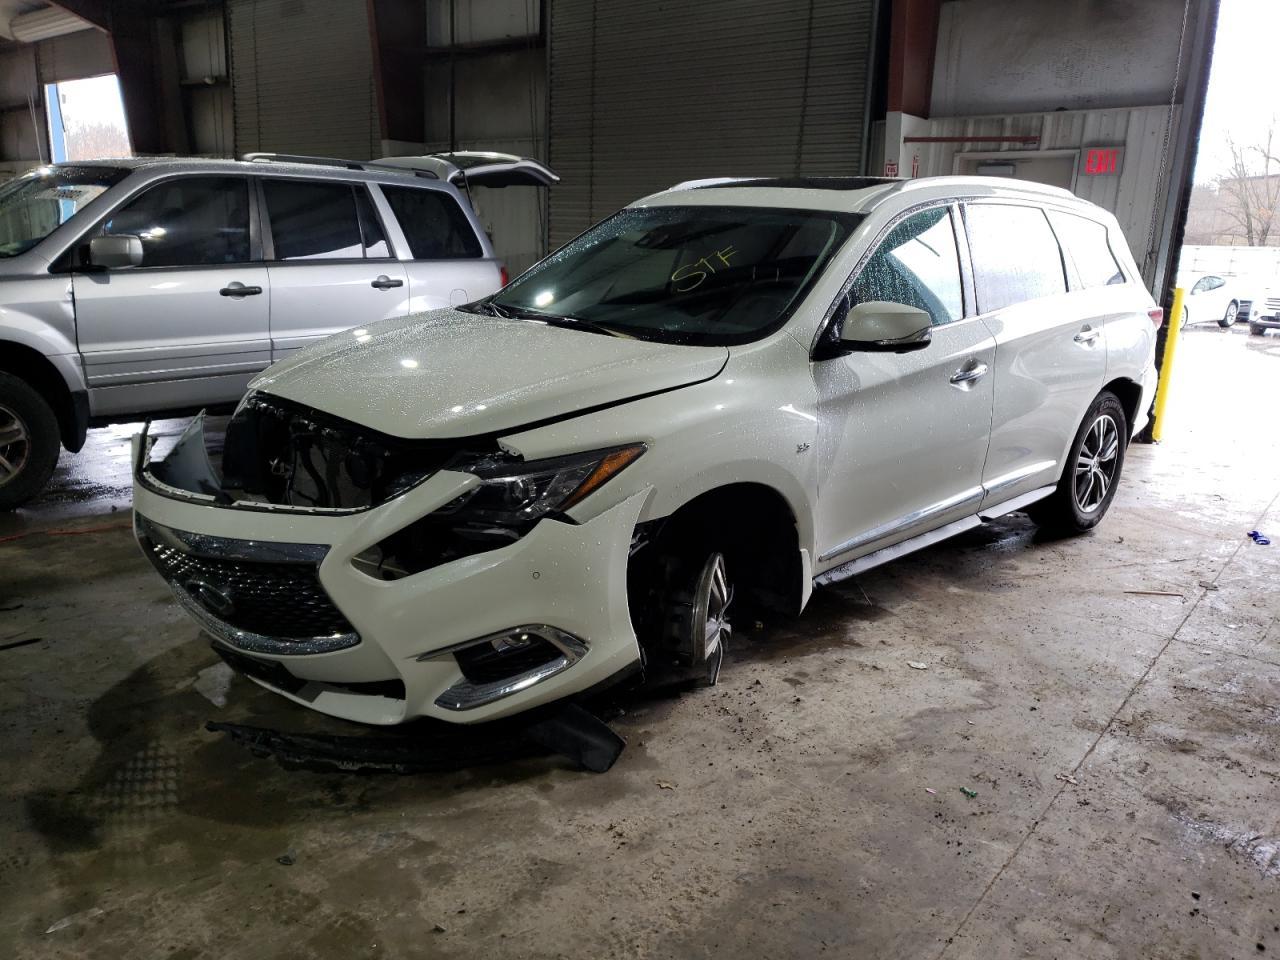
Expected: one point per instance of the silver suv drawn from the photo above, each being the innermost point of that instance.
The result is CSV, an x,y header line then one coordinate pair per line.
x,y
134,287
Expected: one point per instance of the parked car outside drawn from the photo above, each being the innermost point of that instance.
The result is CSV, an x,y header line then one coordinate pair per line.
x,y
714,400
144,286
1267,316
1220,298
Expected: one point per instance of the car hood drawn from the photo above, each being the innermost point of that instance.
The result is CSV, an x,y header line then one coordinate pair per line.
x,y
449,374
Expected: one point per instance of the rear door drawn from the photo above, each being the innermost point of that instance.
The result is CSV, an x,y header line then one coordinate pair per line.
x,y
1051,353
188,326
330,262
448,264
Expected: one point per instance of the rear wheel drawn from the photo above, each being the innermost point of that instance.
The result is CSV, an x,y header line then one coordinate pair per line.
x,y
1229,317
28,442
1088,482
1186,318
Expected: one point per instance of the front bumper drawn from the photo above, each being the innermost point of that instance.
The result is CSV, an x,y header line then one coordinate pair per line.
x,y
379,651
1267,323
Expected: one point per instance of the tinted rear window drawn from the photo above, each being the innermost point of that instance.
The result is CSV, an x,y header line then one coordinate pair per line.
x,y
433,223
1085,243
1015,255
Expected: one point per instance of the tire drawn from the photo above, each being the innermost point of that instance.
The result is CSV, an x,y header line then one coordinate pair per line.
x,y
29,442
1186,318
1229,317
1076,506
1257,331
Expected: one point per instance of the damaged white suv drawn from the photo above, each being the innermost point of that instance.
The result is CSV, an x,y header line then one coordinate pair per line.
x,y
733,389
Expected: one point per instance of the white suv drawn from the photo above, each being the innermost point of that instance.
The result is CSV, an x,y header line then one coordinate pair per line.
x,y
731,390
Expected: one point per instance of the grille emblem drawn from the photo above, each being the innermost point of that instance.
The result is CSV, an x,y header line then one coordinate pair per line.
x,y
215,599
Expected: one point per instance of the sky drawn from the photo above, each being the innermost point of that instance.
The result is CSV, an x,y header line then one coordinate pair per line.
x,y
1243,93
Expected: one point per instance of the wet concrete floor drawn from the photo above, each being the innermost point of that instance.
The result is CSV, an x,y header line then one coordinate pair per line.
x,y
1123,750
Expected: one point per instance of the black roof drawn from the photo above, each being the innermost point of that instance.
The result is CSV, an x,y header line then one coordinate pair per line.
x,y
804,183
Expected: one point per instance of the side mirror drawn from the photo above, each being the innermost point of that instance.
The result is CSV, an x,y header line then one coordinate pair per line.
x,y
879,326
121,250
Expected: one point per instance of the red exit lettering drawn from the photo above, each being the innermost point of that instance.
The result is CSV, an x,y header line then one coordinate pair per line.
x,y
1100,161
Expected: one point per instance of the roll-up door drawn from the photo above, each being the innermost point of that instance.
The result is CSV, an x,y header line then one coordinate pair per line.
x,y
74,56
302,77
643,96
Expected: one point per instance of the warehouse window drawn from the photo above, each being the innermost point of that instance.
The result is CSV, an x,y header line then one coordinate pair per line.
x,y
1085,242
313,221
1015,255
433,223
192,221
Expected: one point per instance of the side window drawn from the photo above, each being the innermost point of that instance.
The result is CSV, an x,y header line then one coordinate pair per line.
x,y
1205,284
375,241
433,223
917,264
187,222
311,220
1015,255
1085,242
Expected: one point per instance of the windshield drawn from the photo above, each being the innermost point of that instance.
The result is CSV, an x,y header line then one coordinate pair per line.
x,y
33,206
693,275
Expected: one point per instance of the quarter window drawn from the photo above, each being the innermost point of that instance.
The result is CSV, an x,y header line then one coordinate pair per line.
x,y
313,221
1085,242
1205,284
1015,255
433,223
917,265
191,221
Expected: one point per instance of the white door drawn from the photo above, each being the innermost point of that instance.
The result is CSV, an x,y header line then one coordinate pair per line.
x,y
903,437
187,327
329,260
1207,300
1051,353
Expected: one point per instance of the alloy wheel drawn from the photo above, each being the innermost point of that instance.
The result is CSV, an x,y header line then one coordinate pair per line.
x,y
710,620
1096,463
15,445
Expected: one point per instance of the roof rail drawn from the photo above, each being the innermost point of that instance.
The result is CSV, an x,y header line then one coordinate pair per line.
x,y
333,162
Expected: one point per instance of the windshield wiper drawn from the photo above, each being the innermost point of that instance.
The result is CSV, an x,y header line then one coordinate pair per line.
x,y
554,320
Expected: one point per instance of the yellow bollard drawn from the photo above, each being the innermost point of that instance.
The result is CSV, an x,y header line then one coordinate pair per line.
x,y
1172,336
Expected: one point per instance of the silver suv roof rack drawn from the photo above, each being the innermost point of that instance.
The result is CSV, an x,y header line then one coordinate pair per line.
x,y
333,162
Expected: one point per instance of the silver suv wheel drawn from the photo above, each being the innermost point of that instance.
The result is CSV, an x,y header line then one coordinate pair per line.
x,y
15,445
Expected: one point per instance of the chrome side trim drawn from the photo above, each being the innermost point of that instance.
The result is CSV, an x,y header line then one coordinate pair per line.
x,y
1006,480
930,537
466,695
1017,503
902,524
884,555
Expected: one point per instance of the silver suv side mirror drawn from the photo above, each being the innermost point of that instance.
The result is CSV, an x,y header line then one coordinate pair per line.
x,y
879,326
121,250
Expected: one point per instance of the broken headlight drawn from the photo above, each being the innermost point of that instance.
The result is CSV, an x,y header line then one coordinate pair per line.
x,y
511,497
512,493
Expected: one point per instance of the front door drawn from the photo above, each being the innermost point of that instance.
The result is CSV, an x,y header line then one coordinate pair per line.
x,y
903,437
188,327
330,263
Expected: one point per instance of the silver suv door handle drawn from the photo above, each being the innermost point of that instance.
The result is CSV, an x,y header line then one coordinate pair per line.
x,y
237,289
969,374
386,283
1087,336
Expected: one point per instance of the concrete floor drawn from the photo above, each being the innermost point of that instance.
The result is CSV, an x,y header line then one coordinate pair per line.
x,y
1125,751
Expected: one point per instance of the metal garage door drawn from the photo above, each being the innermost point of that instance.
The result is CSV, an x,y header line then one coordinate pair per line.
x,y
645,95
302,77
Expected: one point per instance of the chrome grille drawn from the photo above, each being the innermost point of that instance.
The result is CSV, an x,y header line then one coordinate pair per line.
x,y
240,596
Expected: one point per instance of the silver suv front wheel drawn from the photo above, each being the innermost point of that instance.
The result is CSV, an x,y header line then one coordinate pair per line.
x,y
29,442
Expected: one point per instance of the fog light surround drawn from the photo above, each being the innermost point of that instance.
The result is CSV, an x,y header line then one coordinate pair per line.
x,y
532,652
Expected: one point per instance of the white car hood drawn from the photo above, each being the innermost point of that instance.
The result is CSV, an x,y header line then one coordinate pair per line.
x,y
452,374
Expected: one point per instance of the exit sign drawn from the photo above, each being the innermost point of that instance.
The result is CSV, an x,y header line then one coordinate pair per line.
x,y
1103,161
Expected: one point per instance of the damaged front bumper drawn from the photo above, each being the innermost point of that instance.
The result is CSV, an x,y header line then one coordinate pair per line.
x,y
287,600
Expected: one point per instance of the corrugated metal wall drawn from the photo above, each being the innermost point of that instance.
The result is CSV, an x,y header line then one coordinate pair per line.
x,y
642,97
1133,196
302,77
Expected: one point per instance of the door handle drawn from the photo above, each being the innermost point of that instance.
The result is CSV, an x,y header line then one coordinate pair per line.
x,y
386,283
1086,336
237,289
969,374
